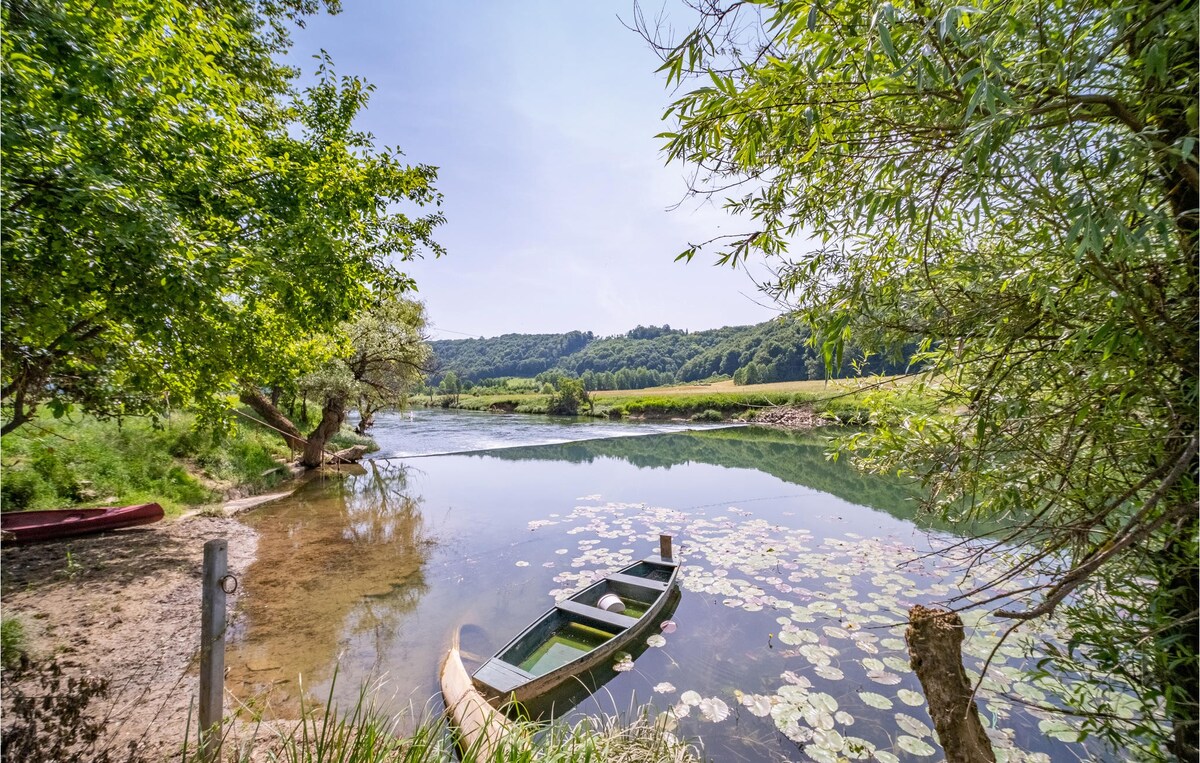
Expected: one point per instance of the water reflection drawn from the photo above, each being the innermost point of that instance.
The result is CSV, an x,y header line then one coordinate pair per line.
x,y
337,564
798,458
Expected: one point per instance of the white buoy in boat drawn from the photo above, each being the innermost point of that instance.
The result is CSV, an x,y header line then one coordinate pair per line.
x,y
610,602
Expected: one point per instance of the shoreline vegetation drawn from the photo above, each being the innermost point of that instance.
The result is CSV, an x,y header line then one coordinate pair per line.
x,y
799,404
182,464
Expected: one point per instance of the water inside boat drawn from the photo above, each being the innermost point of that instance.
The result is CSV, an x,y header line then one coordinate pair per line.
x,y
650,572
569,642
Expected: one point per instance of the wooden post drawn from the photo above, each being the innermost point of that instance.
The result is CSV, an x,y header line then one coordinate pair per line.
x,y
935,639
212,649
664,546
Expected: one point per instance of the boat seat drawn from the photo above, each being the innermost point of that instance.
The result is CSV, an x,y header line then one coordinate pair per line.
x,y
657,560
633,580
501,677
597,615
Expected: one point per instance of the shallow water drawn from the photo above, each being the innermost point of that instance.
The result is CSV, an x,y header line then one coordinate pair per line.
x,y
787,641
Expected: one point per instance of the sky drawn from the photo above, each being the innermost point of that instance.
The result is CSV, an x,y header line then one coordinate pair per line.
x,y
541,118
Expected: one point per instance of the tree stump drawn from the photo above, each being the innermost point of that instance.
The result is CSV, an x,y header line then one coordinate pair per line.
x,y
935,639
349,455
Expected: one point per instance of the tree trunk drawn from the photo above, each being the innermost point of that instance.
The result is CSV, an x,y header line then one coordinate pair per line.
x,y
935,646
283,425
1178,642
365,421
332,417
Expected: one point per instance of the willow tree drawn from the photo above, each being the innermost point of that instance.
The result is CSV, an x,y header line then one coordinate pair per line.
x,y
1014,185
370,363
176,209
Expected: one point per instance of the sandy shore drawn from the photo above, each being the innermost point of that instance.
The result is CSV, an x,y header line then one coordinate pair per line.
x,y
123,606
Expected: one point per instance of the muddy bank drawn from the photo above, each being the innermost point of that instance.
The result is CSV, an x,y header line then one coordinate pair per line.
x,y
787,417
123,606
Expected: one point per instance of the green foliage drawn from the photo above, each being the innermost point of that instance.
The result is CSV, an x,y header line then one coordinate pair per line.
x,y
59,463
1013,187
12,642
568,398
708,414
652,357
177,210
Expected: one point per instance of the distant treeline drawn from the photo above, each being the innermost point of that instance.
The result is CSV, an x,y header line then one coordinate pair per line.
x,y
650,356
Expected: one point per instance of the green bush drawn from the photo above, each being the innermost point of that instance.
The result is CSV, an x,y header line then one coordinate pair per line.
x,y
708,414
19,489
12,641
60,462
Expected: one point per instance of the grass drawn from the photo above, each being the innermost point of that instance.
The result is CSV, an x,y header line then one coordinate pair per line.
x,y
53,463
13,643
367,735
709,401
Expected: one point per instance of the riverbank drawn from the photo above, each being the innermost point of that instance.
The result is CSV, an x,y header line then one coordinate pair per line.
x,y
814,403
122,607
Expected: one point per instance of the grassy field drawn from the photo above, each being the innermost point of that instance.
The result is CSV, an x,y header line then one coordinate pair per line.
x,y
712,402
728,387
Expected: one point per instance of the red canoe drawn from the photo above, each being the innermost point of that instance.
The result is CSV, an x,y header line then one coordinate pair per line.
x,y
26,526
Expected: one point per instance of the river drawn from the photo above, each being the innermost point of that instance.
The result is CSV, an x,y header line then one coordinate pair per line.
x,y
787,642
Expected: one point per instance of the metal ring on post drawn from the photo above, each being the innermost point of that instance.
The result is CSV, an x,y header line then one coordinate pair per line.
x,y
228,584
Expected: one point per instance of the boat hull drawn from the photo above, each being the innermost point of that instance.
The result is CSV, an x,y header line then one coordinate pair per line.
x,y
31,526
515,673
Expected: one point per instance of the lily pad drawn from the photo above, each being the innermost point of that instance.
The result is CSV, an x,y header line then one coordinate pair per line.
x,y
910,697
883,677
690,697
714,709
877,701
656,640
914,746
829,673
758,704
913,726
666,687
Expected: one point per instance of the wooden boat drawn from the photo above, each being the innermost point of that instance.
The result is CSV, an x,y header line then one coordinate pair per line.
x,y
578,634
29,526
482,729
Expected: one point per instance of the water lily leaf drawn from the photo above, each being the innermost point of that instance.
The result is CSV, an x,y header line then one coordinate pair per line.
x,y
835,632
681,709
690,697
823,702
914,746
665,687
758,704
522,563
909,697
883,756
913,726
1056,728
668,626
656,640
877,701
714,709
883,677
897,664
829,673
828,739
870,663
844,718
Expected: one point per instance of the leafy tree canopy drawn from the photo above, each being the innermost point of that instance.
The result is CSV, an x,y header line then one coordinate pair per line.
x,y
176,211
1013,185
646,357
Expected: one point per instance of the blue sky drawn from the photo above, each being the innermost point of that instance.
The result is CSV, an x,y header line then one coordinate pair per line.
x,y
541,117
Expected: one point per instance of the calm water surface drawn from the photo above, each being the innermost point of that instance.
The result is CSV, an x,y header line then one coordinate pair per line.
x,y
786,643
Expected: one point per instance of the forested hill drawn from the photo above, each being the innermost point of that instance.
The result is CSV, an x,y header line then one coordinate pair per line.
x,y
649,356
